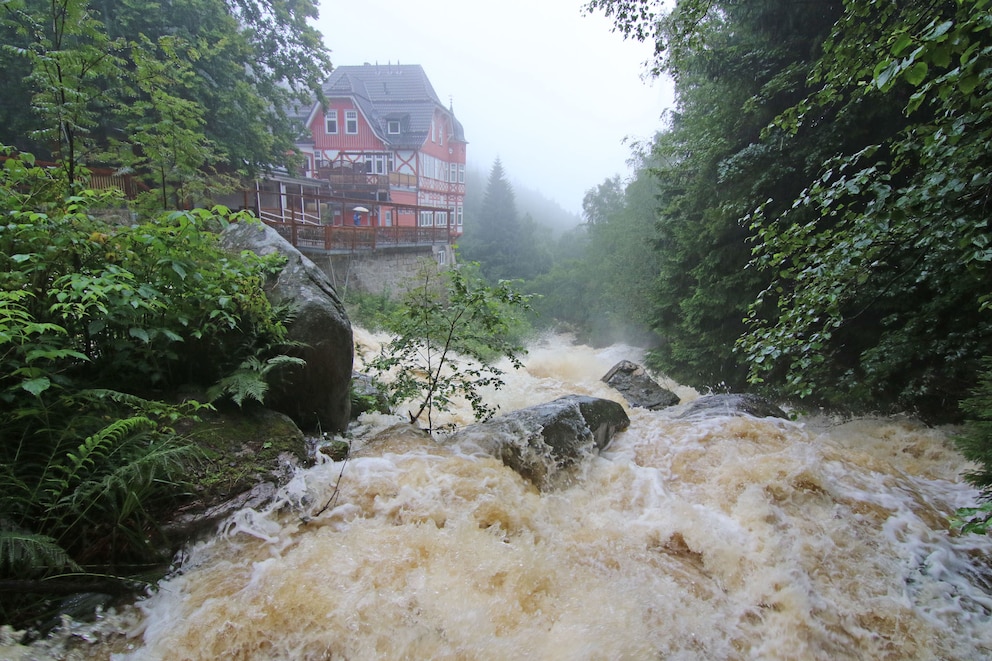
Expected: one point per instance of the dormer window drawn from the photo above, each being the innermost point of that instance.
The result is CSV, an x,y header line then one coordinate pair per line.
x,y
393,127
331,122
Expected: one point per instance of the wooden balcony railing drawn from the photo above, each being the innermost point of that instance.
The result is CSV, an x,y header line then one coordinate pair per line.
x,y
345,238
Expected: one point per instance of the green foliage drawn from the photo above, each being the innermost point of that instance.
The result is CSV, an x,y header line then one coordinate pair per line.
x,y
452,327
371,311
71,63
248,381
164,131
976,520
172,81
824,186
96,318
975,441
880,267
610,264
506,246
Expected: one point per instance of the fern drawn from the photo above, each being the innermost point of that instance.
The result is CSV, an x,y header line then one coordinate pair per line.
x,y
22,551
95,448
248,381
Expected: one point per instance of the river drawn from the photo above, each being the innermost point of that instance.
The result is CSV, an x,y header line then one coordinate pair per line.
x,y
730,538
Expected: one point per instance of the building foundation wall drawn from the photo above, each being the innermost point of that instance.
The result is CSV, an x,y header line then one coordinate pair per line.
x,y
391,271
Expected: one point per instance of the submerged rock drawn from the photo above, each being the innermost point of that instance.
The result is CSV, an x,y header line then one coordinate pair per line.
x,y
639,389
733,404
541,442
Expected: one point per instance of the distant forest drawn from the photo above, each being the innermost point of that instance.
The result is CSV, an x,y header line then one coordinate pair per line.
x,y
811,221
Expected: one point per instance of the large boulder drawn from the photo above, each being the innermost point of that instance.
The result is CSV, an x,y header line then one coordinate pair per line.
x,y
315,396
710,406
542,442
639,389
246,455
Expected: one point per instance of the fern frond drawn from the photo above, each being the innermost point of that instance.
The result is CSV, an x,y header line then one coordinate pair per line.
x,y
74,467
20,551
158,463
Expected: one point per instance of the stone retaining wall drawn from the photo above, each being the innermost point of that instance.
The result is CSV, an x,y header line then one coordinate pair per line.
x,y
388,270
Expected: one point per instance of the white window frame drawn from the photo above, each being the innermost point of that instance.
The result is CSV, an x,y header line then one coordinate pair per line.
x,y
461,173
460,216
351,122
393,127
331,122
426,219
440,219
378,163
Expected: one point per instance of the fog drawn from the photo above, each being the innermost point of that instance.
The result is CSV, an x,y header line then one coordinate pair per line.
x,y
555,94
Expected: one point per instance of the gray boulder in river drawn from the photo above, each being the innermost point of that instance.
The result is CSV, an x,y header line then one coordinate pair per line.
x,y
709,406
542,442
317,395
639,389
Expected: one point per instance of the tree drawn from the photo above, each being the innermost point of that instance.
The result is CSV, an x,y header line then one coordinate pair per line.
x,y
164,130
493,238
735,66
448,333
883,286
252,60
71,64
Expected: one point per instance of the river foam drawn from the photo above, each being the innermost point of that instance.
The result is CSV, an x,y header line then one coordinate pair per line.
x,y
728,538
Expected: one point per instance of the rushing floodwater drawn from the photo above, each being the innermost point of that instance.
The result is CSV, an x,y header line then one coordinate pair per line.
x,y
731,538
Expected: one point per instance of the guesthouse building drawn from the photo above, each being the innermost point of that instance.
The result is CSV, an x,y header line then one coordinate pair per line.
x,y
382,138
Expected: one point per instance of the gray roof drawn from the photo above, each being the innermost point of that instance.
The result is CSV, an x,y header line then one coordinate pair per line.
x,y
392,92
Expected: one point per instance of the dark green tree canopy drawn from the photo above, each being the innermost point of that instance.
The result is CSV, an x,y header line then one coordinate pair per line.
x,y
824,186
71,69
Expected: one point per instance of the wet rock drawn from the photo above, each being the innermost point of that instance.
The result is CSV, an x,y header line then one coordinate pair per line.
x,y
316,396
365,396
542,442
246,454
710,406
639,389
190,524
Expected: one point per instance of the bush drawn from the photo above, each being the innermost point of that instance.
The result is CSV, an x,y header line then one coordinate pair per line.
x,y
449,331
98,320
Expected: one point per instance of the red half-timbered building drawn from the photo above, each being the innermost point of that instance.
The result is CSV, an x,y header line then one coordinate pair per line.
x,y
383,136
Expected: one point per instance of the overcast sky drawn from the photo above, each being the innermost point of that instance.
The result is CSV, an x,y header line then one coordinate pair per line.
x,y
552,92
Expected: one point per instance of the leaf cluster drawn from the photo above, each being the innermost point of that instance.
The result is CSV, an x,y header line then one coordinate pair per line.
x,y
98,320
451,329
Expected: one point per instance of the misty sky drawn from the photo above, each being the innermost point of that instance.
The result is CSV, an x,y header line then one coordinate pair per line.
x,y
551,92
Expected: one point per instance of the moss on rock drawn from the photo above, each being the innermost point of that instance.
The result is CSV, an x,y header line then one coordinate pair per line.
x,y
241,448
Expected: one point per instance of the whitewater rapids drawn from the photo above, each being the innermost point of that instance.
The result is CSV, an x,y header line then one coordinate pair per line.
x,y
731,538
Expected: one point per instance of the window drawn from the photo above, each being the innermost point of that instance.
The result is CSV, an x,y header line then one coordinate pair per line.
x,y
351,122
453,172
393,127
461,217
331,122
461,174
388,220
442,257
426,218
378,163
441,219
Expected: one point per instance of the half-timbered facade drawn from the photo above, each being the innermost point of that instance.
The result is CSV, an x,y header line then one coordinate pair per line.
x,y
384,138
